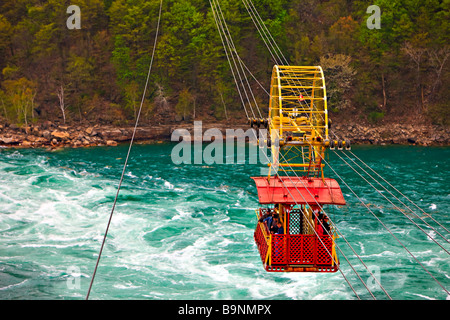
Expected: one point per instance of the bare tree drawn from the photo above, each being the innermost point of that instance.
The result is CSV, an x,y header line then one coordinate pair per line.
x,y
161,99
62,106
416,54
438,58
224,106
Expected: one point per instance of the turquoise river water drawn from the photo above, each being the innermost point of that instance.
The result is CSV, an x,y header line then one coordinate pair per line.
x,y
185,231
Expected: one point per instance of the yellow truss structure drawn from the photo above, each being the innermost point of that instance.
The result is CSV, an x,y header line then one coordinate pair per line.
x,y
298,119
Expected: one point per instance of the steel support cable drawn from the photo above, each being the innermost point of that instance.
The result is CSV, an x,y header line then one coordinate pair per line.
x,y
228,58
390,201
270,38
329,253
265,34
315,232
233,49
322,118
262,29
426,214
268,32
406,206
312,227
262,37
297,204
251,74
220,27
128,153
399,201
320,239
388,183
275,59
404,247
335,226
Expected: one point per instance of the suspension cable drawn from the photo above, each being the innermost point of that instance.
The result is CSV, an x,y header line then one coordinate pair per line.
x,y
228,58
128,153
404,247
415,214
262,29
265,34
232,50
426,214
268,35
338,231
322,224
286,62
391,202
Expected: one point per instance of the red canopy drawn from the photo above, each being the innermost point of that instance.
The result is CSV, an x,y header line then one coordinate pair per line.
x,y
298,190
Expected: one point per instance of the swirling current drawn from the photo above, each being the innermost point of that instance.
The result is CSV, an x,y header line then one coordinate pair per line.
x,y
185,231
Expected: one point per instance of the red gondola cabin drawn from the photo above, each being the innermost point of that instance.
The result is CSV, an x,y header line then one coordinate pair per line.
x,y
300,248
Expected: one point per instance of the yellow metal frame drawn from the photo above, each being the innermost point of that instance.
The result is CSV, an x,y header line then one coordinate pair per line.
x,y
298,118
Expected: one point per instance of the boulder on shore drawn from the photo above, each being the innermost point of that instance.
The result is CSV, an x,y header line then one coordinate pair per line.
x,y
62,135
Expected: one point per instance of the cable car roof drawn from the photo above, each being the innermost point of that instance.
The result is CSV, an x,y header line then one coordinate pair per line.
x,y
298,190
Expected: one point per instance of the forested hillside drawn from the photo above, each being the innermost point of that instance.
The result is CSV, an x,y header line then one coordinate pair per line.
x,y
96,74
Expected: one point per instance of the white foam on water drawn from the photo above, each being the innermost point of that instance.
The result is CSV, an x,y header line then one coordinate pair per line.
x,y
423,296
168,185
130,175
127,285
12,286
193,241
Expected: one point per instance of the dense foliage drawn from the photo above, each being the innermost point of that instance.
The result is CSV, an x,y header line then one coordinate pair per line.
x,y
97,73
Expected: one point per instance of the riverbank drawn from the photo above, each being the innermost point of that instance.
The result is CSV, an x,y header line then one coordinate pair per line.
x,y
52,136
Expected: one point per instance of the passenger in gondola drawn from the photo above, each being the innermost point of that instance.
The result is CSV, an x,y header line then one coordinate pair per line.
x,y
280,229
269,221
274,225
316,213
266,212
276,208
326,225
319,229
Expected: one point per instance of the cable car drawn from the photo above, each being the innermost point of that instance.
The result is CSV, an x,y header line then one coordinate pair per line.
x,y
295,190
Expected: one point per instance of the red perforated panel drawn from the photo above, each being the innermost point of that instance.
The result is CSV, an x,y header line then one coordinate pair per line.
x,y
296,249
260,242
324,250
296,252
308,249
279,249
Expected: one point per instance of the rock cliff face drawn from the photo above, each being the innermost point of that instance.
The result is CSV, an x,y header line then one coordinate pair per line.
x,y
393,134
51,135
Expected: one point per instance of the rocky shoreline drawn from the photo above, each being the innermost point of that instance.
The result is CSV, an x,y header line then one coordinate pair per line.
x,y
403,134
53,136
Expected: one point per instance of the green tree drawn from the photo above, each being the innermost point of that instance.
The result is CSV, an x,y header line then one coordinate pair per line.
x,y
20,96
340,76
